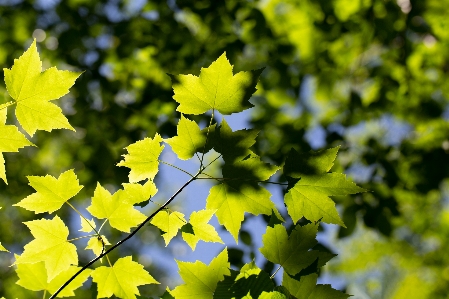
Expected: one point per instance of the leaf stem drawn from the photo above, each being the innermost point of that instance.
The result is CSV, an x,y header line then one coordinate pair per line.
x,y
79,213
207,139
180,169
126,238
82,237
277,270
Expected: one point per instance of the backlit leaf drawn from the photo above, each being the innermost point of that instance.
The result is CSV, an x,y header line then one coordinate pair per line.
x,y
49,246
34,277
215,88
200,280
10,141
143,158
190,139
87,225
309,197
119,208
32,90
169,223
122,279
291,252
201,229
96,245
306,288
51,193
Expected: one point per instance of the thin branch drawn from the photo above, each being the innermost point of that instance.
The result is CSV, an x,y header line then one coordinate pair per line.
x,y
180,169
207,139
272,276
126,238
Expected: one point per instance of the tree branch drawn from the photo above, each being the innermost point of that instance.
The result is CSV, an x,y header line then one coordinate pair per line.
x,y
125,239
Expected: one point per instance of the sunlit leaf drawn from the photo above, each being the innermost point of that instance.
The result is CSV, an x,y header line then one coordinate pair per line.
x,y
143,158
51,193
33,90
122,279
215,88
49,246
169,223
201,229
200,280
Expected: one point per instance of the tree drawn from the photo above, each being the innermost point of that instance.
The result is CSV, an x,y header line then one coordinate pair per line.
x,y
362,71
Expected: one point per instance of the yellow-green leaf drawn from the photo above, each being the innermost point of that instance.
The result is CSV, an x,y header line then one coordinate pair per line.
x,y
87,225
3,248
49,246
190,139
51,193
34,277
122,279
119,208
231,204
200,280
32,90
201,229
216,88
96,245
143,158
169,223
291,252
10,141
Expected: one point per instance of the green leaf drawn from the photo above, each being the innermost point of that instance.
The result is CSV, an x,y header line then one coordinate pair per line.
x,y
311,163
34,277
143,158
231,204
119,208
51,193
190,140
49,246
201,229
200,279
325,291
32,91
300,289
291,252
272,295
10,141
215,88
309,197
122,279
233,146
169,223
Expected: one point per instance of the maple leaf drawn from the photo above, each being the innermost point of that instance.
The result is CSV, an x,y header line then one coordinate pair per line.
x,y
309,197
306,288
235,145
96,245
201,229
190,139
51,193
34,277
169,223
119,209
87,225
143,158
291,252
49,246
122,279
271,295
33,90
10,140
215,88
240,193
201,279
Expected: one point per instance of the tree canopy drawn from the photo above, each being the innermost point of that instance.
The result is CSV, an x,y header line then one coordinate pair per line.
x,y
368,76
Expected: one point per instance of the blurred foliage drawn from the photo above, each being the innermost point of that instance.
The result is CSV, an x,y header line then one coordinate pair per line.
x,y
369,75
